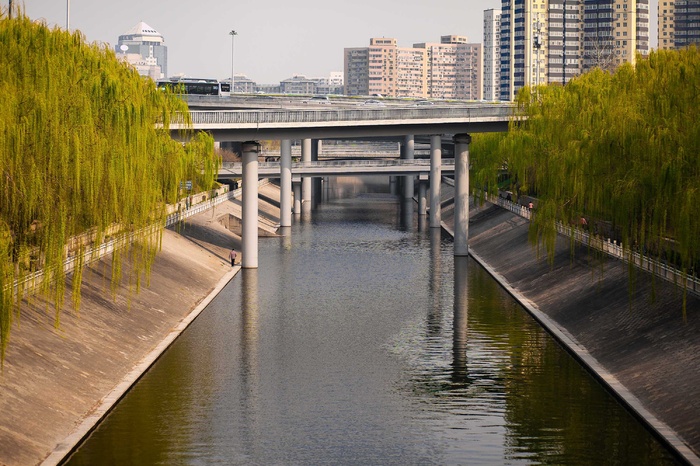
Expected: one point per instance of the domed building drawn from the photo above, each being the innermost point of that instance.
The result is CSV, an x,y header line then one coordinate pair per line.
x,y
145,49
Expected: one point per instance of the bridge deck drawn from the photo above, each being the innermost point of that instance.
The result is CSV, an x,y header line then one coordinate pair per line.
x,y
340,167
326,123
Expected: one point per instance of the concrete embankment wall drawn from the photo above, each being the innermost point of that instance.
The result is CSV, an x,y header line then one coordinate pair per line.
x,y
635,338
57,383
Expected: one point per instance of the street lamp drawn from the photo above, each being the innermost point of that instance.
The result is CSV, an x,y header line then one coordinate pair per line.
x,y
233,34
538,46
67,15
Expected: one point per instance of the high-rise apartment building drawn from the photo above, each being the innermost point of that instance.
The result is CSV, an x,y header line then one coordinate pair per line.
x,y
492,55
679,23
551,41
449,69
144,48
529,43
615,32
410,72
356,69
453,68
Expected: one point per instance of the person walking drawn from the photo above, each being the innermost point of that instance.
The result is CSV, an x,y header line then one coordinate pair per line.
x,y
232,255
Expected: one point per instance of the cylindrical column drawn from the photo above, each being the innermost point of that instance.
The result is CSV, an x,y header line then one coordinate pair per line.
x,y
285,183
297,198
316,183
408,154
435,180
461,228
249,240
305,181
422,201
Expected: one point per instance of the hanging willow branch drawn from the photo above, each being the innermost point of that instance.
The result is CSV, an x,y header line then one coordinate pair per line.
x,y
85,152
622,150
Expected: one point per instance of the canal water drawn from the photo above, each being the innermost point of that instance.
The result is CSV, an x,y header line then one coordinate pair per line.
x,y
361,340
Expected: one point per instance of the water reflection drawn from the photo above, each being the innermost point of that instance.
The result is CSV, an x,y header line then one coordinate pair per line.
x,y
358,341
407,209
460,374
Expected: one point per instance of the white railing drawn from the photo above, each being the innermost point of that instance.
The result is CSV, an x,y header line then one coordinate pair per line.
x,y
611,248
237,167
31,281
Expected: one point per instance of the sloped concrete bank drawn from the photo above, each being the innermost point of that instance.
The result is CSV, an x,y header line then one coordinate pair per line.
x,y
634,339
57,384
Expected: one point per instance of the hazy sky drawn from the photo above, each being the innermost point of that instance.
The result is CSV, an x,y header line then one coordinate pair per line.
x,y
276,39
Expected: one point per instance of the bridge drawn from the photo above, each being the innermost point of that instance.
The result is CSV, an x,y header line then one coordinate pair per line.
x,y
249,120
348,122
420,167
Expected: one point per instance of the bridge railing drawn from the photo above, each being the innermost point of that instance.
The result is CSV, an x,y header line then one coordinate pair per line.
x,y
343,163
495,112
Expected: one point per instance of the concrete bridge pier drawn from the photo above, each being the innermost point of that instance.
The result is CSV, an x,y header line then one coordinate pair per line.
x,y
306,180
461,215
285,183
435,180
422,195
408,153
297,196
317,182
393,185
249,240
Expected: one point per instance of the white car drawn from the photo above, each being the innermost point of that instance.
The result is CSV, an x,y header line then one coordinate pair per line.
x,y
373,103
320,99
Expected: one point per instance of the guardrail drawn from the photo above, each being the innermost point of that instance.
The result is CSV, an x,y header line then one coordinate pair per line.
x,y
493,112
31,281
611,248
344,163
270,169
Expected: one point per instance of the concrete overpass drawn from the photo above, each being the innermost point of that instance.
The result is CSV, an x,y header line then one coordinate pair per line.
x,y
397,120
359,122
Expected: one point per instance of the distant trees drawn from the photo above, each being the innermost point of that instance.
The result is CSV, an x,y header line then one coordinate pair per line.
x,y
85,149
621,149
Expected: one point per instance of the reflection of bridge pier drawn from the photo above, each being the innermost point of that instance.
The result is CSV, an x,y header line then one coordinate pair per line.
x,y
460,372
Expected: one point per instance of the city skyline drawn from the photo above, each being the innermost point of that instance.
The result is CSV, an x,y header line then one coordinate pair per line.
x,y
275,40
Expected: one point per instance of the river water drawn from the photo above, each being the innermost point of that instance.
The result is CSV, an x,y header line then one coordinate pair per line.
x,y
361,340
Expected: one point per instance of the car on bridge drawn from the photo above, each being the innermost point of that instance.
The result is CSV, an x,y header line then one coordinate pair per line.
x,y
373,102
422,103
319,99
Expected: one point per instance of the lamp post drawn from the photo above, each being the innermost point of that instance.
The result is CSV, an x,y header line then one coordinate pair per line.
x,y
538,46
233,34
67,15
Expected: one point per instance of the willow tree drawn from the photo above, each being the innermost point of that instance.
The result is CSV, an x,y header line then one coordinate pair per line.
x,y
85,152
620,149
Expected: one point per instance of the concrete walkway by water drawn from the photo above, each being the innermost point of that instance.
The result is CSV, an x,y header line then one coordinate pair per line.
x,y
635,339
57,383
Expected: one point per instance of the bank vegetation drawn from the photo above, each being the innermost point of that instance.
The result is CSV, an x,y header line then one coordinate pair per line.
x,y
85,152
616,153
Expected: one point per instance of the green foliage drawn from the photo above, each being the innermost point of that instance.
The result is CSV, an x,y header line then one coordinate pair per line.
x,y
85,149
621,149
